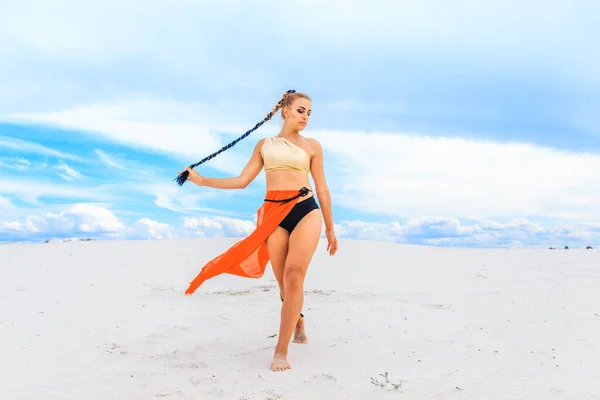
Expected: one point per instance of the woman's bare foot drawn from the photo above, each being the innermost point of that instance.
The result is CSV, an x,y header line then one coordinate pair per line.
x,y
299,333
280,363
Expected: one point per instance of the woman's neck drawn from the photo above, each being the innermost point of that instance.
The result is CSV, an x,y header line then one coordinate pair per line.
x,y
289,133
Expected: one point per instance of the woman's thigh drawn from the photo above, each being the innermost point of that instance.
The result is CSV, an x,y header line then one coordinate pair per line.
x,y
277,247
303,241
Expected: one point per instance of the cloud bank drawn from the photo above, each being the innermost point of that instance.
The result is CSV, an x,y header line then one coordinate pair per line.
x,y
86,221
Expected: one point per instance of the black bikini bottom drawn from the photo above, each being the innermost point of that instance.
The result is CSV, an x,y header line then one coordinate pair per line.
x,y
298,212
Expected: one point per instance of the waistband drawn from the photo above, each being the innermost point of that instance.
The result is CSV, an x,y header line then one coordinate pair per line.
x,y
276,193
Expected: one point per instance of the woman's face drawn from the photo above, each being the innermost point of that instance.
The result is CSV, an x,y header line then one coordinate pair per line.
x,y
298,114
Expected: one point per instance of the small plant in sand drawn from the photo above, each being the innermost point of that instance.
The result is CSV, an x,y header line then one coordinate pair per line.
x,y
389,386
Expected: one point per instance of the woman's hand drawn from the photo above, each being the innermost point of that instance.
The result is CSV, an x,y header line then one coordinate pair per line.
x,y
332,243
194,176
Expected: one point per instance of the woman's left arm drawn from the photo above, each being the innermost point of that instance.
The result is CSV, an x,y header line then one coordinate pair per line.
x,y
323,194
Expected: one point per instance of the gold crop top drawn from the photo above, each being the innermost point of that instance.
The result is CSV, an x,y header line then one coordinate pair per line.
x,y
279,153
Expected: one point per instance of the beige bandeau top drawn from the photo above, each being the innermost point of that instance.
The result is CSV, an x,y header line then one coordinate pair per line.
x,y
281,154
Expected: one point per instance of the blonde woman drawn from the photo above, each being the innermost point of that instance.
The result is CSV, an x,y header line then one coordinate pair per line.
x,y
289,222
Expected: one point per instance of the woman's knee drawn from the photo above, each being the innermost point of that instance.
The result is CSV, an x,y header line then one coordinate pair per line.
x,y
293,278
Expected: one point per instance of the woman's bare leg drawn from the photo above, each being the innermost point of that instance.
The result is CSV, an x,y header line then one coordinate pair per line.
x,y
277,247
302,244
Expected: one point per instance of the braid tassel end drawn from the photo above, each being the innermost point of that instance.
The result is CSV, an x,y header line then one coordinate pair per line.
x,y
182,177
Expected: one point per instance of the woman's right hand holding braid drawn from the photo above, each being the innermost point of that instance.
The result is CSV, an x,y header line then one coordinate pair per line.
x,y
194,176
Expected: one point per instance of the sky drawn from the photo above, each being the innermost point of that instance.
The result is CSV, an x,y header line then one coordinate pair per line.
x,y
460,123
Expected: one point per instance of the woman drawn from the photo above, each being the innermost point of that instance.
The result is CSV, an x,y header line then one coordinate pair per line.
x,y
289,223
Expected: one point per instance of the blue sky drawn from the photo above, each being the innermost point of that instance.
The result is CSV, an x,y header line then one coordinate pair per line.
x,y
451,124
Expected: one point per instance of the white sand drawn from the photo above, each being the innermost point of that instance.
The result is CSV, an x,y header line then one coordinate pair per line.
x,y
108,320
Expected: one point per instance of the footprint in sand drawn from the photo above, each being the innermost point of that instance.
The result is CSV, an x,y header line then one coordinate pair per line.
x,y
323,292
113,348
192,365
272,395
265,288
167,394
179,361
166,355
360,295
327,377
261,288
438,306
232,292
161,289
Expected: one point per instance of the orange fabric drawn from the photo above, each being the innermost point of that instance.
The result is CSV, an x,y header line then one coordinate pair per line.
x,y
248,257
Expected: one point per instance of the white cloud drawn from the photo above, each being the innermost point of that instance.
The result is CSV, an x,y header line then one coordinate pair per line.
x,y
24,146
29,225
5,204
186,200
81,220
31,190
93,221
368,231
414,176
450,232
218,226
23,162
76,219
68,173
145,228
20,164
86,218
108,159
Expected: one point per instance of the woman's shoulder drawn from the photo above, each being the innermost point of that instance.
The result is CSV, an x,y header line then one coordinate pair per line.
x,y
258,147
314,144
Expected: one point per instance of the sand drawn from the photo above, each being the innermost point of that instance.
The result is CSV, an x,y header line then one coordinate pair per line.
x,y
108,320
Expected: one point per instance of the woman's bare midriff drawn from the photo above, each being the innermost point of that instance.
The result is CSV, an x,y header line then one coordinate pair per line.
x,y
288,180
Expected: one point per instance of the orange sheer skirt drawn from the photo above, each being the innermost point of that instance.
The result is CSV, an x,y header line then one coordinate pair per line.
x,y
248,257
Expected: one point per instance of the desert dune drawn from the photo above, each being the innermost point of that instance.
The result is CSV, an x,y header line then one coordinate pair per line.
x,y
109,320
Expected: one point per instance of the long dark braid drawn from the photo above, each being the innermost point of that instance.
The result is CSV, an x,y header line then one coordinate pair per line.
x,y
182,177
